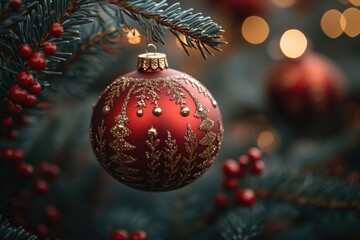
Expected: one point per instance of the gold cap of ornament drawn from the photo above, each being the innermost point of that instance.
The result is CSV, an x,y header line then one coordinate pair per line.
x,y
152,60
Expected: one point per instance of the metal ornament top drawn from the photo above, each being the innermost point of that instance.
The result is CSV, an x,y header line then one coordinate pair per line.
x,y
152,60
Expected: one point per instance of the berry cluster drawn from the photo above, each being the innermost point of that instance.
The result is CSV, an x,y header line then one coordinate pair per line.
x,y
23,94
121,234
234,170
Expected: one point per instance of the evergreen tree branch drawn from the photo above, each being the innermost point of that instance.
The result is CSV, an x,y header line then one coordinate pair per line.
x,y
308,190
11,233
200,32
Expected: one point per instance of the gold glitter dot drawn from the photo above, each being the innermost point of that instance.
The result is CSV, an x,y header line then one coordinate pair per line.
x,y
214,103
140,113
106,109
93,106
152,132
185,111
157,111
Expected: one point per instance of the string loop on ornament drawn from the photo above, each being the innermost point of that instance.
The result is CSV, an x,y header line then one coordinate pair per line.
x,y
149,46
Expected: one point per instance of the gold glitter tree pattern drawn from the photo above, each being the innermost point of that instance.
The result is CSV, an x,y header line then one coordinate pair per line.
x,y
153,159
172,160
100,143
191,143
121,146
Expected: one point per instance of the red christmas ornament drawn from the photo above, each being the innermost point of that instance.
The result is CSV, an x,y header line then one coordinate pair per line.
x,y
14,108
49,48
35,88
308,91
25,51
221,201
37,61
138,235
56,29
245,197
120,235
15,4
156,129
25,170
17,94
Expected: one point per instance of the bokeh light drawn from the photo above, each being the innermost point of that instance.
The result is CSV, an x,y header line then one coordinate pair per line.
x,y
355,2
133,36
352,16
333,23
265,139
284,3
293,43
255,30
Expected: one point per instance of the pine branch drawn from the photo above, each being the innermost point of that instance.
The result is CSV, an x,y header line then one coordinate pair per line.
x,y
308,190
200,32
11,233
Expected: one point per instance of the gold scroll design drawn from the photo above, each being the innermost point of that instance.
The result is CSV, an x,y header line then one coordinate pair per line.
x,y
153,156
145,90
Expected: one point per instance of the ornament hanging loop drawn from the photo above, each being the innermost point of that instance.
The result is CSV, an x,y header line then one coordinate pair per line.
x,y
150,45
152,61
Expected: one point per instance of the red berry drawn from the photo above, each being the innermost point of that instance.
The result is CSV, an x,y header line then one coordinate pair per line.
x,y
25,170
30,101
254,154
244,160
14,108
25,51
18,156
257,167
35,88
12,134
221,201
230,184
15,4
245,197
353,178
42,230
120,235
138,235
52,214
25,79
17,94
49,48
7,154
24,120
42,187
37,62
56,29
7,122
49,171
230,168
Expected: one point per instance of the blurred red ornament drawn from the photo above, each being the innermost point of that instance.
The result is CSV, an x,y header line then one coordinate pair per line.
x,y
18,156
307,91
254,154
52,214
156,129
7,154
42,187
49,171
120,235
25,170
257,167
